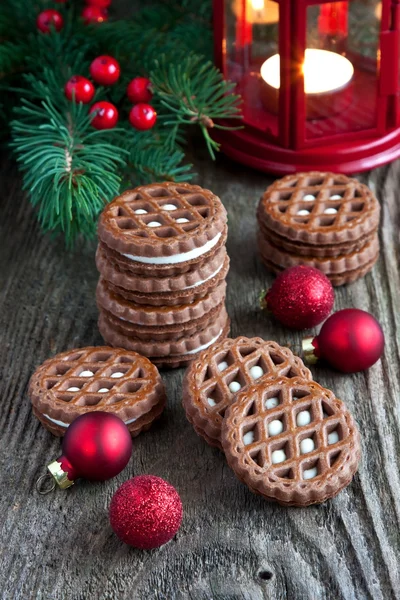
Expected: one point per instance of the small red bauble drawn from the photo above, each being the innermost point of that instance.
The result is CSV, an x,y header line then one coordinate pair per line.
x,y
97,446
142,116
94,14
49,19
80,89
106,117
300,297
100,3
138,90
146,512
105,70
350,340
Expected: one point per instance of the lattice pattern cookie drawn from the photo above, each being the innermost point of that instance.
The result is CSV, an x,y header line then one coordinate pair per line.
x,y
319,208
96,378
291,440
213,381
163,223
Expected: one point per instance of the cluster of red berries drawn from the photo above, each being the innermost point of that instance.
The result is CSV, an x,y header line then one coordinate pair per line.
x,y
105,70
95,11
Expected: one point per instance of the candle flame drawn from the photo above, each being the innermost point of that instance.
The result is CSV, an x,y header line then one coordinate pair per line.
x,y
323,71
257,4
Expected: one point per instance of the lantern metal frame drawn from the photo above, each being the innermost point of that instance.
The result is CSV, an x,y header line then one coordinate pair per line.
x,y
290,150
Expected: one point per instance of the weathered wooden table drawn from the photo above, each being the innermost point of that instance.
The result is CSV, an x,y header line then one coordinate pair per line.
x,y
232,544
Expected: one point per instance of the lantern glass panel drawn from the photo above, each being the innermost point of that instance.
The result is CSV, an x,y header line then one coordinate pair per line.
x,y
252,28
341,67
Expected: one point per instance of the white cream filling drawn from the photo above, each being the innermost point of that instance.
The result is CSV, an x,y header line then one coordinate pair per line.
x,y
175,258
204,346
62,424
188,287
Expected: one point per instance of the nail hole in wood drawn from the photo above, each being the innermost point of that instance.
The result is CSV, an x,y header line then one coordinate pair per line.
x,y
265,575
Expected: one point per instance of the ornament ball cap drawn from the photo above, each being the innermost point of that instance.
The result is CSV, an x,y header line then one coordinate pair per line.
x,y
309,350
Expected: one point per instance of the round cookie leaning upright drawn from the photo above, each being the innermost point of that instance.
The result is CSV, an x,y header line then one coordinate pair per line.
x,y
214,379
163,229
291,440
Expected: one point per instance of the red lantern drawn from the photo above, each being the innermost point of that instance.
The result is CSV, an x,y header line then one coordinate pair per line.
x,y
320,82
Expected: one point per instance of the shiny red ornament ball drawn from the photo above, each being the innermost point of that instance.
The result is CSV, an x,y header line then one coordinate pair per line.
x,y
146,512
106,115
142,116
49,19
80,89
100,3
300,297
350,340
96,446
94,14
105,70
139,90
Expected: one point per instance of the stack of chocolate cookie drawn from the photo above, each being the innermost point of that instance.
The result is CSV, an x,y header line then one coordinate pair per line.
x,y
286,437
321,220
163,263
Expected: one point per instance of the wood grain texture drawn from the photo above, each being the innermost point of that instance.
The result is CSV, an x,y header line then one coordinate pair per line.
x,y
232,545
61,546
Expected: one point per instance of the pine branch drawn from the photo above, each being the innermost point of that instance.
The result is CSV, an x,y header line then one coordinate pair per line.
x,y
148,160
194,93
70,170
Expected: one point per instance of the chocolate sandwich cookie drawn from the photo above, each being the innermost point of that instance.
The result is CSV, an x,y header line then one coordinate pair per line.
x,y
291,440
157,315
340,270
319,209
186,296
317,251
214,379
97,378
163,333
155,349
163,229
190,280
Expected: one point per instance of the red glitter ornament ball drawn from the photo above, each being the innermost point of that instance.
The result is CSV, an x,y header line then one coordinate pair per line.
x,y
142,116
138,90
106,115
350,340
96,446
300,297
105,70
94,14
146,512
80,89
49,19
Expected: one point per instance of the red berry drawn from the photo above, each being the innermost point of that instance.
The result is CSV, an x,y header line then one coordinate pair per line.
x,y
105,70
99,3
138,90
142,116
94,14
106,115
80,88
49,19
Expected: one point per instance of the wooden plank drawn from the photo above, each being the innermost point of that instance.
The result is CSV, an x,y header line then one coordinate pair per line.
x,y
61,546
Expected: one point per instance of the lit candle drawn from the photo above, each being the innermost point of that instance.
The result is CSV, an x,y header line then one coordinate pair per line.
x,y
323,71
